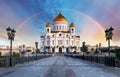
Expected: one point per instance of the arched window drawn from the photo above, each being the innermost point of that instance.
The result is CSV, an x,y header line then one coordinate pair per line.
x,y
57,27
53,50
67,50
59,34
47,30
60,27
48,36
72,30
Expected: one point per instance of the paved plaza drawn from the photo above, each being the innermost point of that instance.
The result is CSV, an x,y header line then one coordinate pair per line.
x,y
59,66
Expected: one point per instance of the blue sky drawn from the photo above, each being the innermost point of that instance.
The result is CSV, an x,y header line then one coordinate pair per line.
x,y
29,17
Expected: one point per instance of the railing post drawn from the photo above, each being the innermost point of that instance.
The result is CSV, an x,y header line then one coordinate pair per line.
x,y
83,57
91,58
105,60
97,59
113,61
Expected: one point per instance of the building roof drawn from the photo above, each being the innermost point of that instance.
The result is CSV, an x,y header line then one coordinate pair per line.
x,y
60,17
48,24
72,25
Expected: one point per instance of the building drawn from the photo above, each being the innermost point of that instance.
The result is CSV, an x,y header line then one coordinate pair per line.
x,y
27,50
91,48
94,48
5,50
60,37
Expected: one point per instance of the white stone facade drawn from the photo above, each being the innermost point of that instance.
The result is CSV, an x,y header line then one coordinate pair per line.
x,y
60,37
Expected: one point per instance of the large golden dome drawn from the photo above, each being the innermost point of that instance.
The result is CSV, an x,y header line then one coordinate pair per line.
x,y
60,17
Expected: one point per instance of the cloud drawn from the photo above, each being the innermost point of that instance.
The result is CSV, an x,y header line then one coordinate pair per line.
x,y
29,17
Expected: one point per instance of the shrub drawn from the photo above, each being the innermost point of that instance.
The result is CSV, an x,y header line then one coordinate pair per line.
x,y
103,49
117,52
0,53
16,54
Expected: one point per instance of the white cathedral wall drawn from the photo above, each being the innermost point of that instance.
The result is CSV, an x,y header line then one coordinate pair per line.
x,y
63,44
63,37
56,38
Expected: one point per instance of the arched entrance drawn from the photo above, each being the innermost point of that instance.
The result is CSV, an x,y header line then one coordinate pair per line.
x,y
67,50
53,50
60,50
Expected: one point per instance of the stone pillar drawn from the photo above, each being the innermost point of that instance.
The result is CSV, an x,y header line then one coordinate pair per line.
x,y
64,49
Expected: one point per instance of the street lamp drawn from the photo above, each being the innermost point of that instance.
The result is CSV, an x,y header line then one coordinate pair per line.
x,y
108,35
97,48
11,35
36,44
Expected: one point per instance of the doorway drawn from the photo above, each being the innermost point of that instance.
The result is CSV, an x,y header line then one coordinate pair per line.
x,y
67,50
60,50
53,50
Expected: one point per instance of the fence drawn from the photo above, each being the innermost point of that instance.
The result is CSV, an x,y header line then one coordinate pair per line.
x,y
4,61
106,60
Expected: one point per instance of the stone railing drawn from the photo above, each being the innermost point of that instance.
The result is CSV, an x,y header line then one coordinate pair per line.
x,y
5,61
106,60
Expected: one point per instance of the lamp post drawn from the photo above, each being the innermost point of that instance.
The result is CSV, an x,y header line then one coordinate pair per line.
x,y
108,35
11,35
36,44
97,48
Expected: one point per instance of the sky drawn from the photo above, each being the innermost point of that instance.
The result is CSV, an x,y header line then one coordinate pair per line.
x,y
29,18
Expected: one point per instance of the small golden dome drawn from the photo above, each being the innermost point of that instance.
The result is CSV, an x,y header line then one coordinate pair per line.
x,y
48,25
72,25
60,17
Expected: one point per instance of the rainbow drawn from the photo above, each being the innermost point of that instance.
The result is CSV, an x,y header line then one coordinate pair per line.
x,y
83,14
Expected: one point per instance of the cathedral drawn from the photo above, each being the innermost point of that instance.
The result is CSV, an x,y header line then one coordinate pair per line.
x,y
60,37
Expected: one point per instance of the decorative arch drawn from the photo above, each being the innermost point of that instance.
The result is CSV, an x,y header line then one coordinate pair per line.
x,y
60,50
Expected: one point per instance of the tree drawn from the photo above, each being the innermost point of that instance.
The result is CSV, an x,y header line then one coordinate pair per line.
x,y
96,51
23,52
117,51
103,49
15,54
84,48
